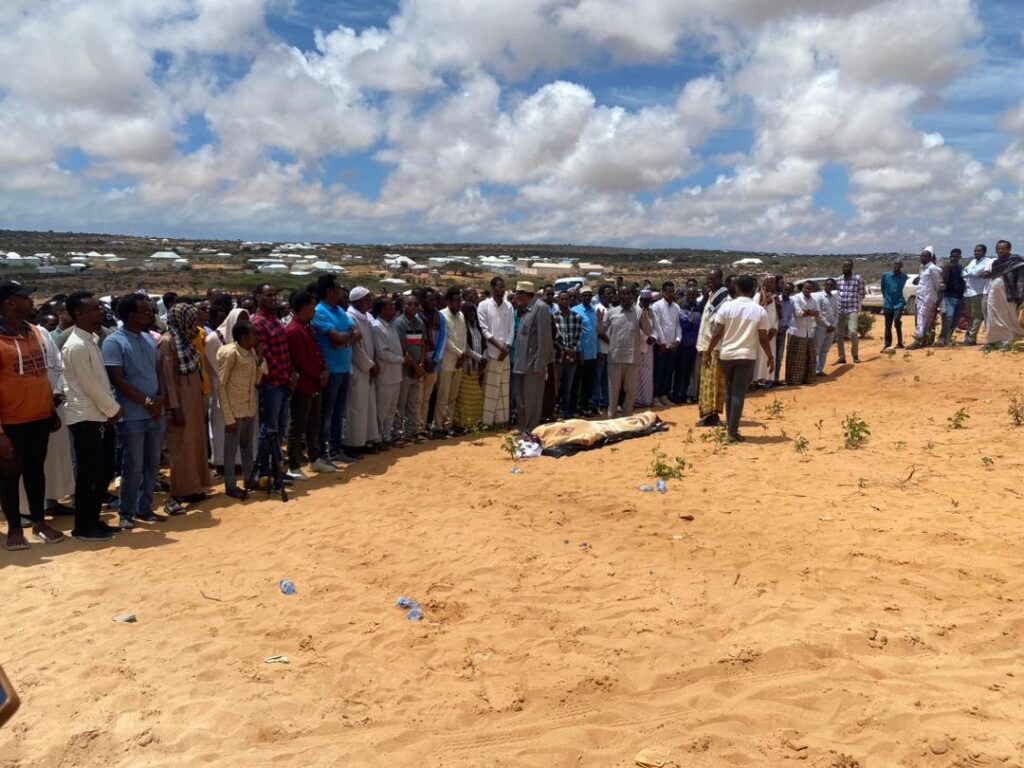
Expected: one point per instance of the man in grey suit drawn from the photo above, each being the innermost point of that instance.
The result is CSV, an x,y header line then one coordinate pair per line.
x,y
535,350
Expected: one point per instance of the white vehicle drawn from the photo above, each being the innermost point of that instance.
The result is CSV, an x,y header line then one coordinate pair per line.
x,y
569,283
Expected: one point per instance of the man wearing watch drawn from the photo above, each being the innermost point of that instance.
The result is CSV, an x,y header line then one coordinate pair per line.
x,y
132,361
27,416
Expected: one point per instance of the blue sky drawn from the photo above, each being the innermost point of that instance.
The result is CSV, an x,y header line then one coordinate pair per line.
x,y
631,122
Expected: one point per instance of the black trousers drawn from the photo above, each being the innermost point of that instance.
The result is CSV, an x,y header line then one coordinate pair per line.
x,y
893,317
585,381
95,444
305,423
685,358
30,441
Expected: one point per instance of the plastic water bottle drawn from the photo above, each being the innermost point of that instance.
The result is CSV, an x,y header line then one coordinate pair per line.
x,y
516,471
287,586
645,488
662,486
405,602
415,614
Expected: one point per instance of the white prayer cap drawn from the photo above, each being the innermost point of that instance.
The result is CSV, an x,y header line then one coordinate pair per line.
x,y
930,249
358,293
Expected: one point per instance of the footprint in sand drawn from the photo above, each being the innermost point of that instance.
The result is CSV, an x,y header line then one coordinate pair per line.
x,y
877,640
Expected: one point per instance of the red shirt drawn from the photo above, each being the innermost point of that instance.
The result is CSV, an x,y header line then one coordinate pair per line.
x,y
306,356
270,332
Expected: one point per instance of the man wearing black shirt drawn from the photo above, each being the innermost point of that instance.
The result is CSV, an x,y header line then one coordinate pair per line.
x,y
953,296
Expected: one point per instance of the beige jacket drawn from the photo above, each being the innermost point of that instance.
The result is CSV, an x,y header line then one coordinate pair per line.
x,y
239,376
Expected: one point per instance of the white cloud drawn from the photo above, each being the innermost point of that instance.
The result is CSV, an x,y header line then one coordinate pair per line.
x,y
489,122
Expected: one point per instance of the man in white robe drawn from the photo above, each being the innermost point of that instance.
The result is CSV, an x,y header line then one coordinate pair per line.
x,y
361,428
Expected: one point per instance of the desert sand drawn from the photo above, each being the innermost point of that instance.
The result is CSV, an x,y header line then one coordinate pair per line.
x,y
834,607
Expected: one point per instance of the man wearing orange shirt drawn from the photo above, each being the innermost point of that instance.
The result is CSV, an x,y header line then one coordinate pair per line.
x,y
27,416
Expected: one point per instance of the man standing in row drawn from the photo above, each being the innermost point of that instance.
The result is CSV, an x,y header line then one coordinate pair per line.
x,y
91,413
801,357
27,416
535,350
450,376
740,326
497,323
952,296
133,365
570,329
628,331
893,303
976,291
361,415
336,334
851,290
278,382
587,373
825,330
929,292
711,399
668,332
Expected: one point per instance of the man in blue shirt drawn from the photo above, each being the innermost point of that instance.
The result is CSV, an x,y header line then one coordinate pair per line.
x,y
335,333
588,346
133,365
893,303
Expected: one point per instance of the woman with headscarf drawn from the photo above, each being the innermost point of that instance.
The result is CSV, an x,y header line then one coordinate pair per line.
x,y
766,298
186,434
644,397
214,341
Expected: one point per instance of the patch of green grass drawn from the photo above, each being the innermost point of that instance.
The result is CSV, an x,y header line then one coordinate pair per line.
x,y
665,468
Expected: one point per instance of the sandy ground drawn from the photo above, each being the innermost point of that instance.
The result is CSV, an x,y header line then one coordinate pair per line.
x,y
836,607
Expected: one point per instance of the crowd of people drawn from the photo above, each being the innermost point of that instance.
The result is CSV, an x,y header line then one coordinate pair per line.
x,y
90,391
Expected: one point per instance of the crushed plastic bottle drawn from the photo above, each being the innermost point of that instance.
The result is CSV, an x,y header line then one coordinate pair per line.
x,y
645,488
516,471
415,612
662,486
287,586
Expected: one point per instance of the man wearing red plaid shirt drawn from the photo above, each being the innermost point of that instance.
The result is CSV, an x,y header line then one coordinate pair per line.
x,y
280,379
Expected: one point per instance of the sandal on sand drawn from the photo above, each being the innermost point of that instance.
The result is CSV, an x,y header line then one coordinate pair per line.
x,y
174,508
49,538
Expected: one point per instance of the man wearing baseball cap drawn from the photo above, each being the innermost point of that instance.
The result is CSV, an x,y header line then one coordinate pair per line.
x,y
27,416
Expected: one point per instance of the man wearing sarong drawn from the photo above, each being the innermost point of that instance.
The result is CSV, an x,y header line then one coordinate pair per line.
x,y
711,399
497,323
801,354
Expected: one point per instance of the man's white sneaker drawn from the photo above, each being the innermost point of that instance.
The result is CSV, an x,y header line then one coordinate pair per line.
x,y
320,467
297,474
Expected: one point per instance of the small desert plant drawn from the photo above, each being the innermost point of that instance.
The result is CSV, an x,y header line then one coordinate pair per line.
x,y
1016,409
508,445
664,468
802,444
865,321
855,431
775,409
958,419
862,483
987,462
820,425
717,435
929,446
899,445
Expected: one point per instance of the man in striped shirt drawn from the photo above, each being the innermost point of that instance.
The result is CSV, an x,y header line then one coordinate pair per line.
x,y
567,352
850,288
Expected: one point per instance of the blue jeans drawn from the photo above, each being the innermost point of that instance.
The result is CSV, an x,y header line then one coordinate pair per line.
x,y
952,309
333,399
664,368
143,440
274,403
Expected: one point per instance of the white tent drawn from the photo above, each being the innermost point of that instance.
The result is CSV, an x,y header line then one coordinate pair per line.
x,y
747,262
665,261
326,266
165,256
273,266
393,281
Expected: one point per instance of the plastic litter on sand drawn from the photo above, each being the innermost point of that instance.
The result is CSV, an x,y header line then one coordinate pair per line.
x,y
126,618
415,612
645,488
287,586
516,471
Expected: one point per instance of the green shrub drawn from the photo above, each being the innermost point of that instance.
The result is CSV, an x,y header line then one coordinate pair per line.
x,y
865,321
